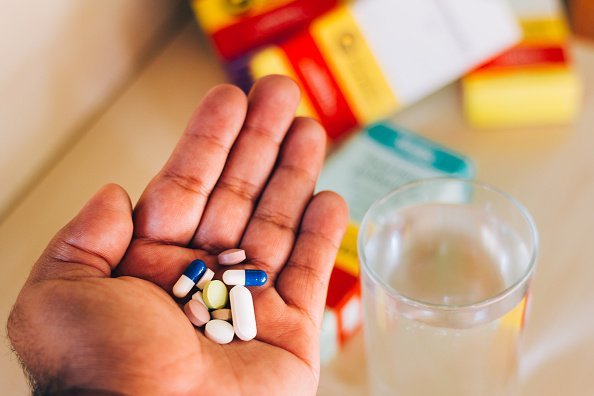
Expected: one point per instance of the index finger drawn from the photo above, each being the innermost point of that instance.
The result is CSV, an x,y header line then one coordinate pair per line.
x,y
171,206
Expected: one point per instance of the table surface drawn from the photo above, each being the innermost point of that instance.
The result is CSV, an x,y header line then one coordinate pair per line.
x,y
549,169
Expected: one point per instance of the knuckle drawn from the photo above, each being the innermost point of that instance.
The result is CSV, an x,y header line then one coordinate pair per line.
x,y
187,182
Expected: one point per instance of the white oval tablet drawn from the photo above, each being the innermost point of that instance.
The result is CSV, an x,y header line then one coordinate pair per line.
x,y
219,331
242,312
231,256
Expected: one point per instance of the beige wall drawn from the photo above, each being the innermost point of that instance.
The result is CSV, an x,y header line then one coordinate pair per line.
x,y
61,62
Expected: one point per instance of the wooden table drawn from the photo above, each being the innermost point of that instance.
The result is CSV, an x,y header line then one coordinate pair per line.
x,y
549,169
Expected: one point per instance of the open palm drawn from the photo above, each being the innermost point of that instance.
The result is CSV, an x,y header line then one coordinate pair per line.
x,y
96,313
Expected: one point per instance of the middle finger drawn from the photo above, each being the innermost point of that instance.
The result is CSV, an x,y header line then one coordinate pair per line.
x,y
271,108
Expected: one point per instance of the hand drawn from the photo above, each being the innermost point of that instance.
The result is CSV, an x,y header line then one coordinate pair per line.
x,y
96,314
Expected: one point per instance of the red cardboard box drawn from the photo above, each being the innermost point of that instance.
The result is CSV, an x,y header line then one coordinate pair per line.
x,y
236,27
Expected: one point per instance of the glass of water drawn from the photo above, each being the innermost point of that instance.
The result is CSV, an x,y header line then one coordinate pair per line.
x,y
445,270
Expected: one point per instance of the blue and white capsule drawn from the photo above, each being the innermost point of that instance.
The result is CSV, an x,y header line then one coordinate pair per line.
x,y
189,278
246,277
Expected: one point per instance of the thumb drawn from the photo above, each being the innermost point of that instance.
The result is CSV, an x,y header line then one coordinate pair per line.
x,y
93,242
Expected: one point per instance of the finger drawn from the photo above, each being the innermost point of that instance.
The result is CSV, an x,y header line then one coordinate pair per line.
x,y
270,234
303,282
272,103
93,243
170,208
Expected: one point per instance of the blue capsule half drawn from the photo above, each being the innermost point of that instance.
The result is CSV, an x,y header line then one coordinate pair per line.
x,y
195,270
255,277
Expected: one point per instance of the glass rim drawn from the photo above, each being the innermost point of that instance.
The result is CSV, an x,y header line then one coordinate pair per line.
x,y
453,307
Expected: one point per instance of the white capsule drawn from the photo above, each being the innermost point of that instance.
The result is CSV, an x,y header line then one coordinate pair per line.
x,y
245,277
242,312
183,286
208,275
188,279
219,331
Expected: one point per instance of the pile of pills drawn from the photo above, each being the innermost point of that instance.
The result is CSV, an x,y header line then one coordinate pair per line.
x,y
222,313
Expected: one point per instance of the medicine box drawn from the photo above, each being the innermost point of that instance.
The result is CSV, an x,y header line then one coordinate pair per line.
x,y
367,167
342,316
236,27
533,83
364,60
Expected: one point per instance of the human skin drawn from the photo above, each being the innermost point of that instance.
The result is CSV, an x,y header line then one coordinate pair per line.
x,y
96,315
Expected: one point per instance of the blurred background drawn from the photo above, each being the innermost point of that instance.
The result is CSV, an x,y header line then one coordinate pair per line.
x,y
97,92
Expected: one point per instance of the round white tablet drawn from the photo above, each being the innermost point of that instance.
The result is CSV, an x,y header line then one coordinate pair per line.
x,y
219,331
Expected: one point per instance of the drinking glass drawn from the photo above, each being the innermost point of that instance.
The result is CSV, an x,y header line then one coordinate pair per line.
x,y
445,269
